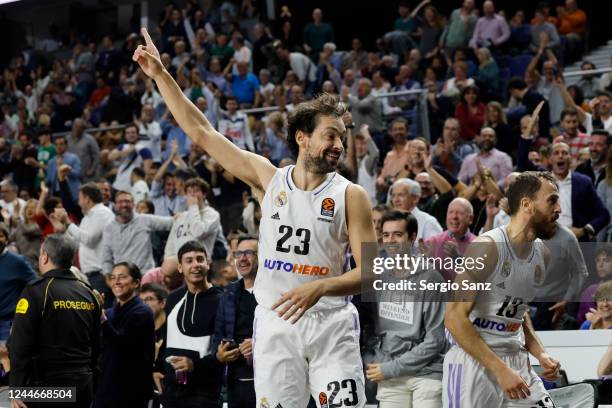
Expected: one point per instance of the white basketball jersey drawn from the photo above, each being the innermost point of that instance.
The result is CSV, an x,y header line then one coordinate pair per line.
x,y
302,237
498,314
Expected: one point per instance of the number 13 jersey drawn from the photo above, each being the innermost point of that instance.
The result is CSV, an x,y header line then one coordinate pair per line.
x,y
303,236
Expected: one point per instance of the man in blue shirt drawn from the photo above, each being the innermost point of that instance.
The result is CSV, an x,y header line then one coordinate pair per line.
x,y
245,85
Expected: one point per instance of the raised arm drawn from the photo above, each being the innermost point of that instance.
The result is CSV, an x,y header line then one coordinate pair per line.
x,y
251,168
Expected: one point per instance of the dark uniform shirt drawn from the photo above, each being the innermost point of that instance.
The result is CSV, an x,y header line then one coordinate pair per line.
x,y
56,330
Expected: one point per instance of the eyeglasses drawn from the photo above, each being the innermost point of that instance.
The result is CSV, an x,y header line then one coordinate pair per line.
x,y
249,253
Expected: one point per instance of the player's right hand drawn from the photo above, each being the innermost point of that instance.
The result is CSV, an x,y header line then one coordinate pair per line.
x,y
513,384
148,57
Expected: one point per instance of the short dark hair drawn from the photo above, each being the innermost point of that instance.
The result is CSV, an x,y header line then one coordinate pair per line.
x,y
517,83
604,133
403,121
412,226
568,112
61,136
526,184
149,204
51,204
185,174
60,249
139,171
158,290
198,182
306,116
247,237
129,125
381,208
91,191
132,268
190,246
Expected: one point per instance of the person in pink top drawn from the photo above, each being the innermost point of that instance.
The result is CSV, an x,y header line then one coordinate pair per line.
x,y
166,275
455,239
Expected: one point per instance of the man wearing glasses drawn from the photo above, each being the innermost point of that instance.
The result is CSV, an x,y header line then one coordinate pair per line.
x,y
234,326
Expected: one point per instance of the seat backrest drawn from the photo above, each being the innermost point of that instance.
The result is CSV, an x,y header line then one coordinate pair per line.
x,y
581,395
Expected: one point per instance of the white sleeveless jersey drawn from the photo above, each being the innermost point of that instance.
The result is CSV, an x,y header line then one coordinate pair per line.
x,y
498,315
302,237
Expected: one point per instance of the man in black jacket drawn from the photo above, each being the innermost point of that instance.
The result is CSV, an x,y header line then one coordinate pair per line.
x,y
56,331
595,168
235,322
192,373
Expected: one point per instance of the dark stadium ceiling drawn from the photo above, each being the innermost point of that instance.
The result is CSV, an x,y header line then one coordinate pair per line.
x,y
7,6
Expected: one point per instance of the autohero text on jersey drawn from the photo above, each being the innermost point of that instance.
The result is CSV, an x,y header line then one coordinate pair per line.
x,y
299,269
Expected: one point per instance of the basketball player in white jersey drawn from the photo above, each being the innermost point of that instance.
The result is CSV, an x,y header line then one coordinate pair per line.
x,y
306,333
488,365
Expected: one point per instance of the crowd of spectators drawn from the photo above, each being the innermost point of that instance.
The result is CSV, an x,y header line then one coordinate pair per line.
x,y
88,148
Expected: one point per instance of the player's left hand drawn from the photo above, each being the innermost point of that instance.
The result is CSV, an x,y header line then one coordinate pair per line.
x,y
293,304
374,373
550,366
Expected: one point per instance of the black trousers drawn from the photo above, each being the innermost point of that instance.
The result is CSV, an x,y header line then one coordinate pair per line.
x,y
241,394
84,391
176,396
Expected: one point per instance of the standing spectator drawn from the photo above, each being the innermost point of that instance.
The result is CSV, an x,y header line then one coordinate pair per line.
x,y
409,369
200,222
16,273
64,162
470,113
245,85
367,158
222,50
274,140
491,31
453,86
316,34
543,34
53,344
572,24
192,374
495,118
46,151
174,134
127,236
23,162
234,321
530,99
450,150
26,234
129,155
604,191
397,157
488,75
576,139
300,64
150,131
140,188
164,192
88,234
454,241
235,126
128,339
498,162
581,209
589,83
405,195
366,109
262,39
431,32
460,28
99,94
86,148
520,33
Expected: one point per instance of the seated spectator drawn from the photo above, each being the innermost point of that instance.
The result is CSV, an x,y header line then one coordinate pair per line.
x,y
164,194
544,34
222,50
488,75
529,100
491,30
405,195
128,338
154,296
454,241
366,109
65,163
601,317
449,151
572,24
574,138
129,155
603,268
470,113
589,83
13,205
453,86
167,275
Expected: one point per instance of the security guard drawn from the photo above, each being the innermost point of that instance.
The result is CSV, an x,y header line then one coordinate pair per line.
x,y
55,337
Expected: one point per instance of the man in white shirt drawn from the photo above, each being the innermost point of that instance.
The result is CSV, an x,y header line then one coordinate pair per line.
x,y
140,188
10,202
301,65
89,233
150,132
235,126
405,195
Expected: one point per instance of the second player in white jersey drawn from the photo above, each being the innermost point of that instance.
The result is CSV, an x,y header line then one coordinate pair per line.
x,y
302,237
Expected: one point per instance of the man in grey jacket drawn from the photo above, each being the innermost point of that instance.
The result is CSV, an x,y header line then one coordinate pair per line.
x,y
409,326
126,238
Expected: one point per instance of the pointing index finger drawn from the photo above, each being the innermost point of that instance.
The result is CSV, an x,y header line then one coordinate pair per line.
x,y
146,36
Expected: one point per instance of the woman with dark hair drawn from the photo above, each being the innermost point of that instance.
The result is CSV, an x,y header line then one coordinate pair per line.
x,y
470,113
128,335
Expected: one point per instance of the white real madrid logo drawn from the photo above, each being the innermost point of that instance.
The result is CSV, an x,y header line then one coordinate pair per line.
x,y
281,199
